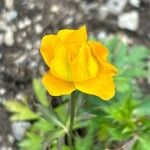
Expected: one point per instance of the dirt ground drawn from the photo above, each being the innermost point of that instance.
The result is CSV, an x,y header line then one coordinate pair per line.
x,y
24,22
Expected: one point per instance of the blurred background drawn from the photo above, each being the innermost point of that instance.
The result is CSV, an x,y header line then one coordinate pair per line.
x,y
24,22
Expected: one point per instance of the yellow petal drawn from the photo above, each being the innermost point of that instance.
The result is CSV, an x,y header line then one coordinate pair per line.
x,y
83,65
62,34
101,53
59,65
77,37
48,45
110,69
55,86
101,86
99,50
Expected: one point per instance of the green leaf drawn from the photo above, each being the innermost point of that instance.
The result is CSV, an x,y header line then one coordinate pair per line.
x,y
88,140
52,135
143,109
42,125
20,110
118,135
40,92
143,142
51,116
122,84
31,141
138,53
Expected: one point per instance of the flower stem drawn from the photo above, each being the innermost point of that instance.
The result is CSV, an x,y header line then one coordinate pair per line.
x,y
72,115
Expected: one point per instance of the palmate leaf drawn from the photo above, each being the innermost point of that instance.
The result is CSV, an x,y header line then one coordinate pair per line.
x,y
32,141
122,84
40,92
129,61
20,110
51,136
143,108
138,53
142,142
42,126
87,142
51,116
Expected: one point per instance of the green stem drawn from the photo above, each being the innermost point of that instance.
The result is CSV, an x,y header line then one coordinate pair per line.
x,y
72,115
59,143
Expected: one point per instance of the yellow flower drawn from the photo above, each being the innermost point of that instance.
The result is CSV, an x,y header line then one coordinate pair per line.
x,y
76,63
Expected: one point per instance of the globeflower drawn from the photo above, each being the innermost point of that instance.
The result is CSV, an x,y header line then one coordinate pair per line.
x,y
76,63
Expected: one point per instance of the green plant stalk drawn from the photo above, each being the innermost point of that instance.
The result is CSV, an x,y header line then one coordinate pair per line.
x,y
72,116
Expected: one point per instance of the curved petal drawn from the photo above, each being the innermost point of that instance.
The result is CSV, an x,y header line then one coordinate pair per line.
x,y
101,86
83,65
48,45
101,53
77,37
110,69
99,50
59,65
62,34
55,86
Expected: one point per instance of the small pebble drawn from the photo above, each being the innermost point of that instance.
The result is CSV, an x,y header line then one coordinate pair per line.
x,y
55,8
24,23
135,3
2,91
129,20
19,128
9,38
11,15
116,6
9,4
38,28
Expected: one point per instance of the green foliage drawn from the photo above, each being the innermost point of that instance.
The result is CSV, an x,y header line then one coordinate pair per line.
x,y
20,110
40,92
143,108
123,121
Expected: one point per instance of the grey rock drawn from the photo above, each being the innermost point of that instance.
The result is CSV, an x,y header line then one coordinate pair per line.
x,y
55,8
129,20
22,24
9,4
135,3
116,6
38,28
101,35
19,128
102,13
11,139
9,37
2,91
1,41
11,15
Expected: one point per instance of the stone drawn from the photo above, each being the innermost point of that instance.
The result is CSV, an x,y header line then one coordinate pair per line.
x,y
24,23
38,28
19,128
129,20
11,15
9,37
1,40
102,13
9,4
116,6
135,3
55,8
101,35
2,91
11,139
